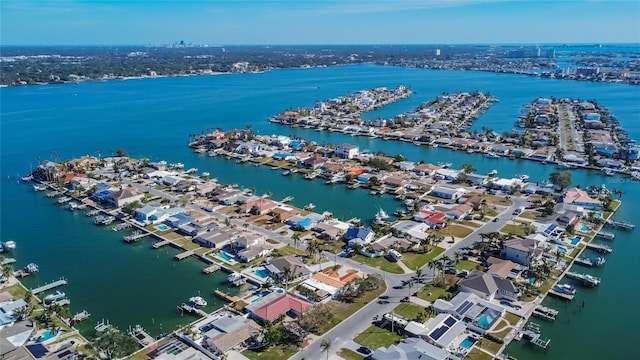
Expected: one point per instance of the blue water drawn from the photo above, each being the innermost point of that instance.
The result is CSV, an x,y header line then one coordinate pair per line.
x,y
46,335
563,249
262,273
225,256
162,227
468,342
486,320
584,228
575,240
154,117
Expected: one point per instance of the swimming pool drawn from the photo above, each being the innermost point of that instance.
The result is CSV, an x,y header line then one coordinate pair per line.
x,y
225,256
468,342
162,227
486,320
597,215
262,273
575,240
563,249
46,335
584,228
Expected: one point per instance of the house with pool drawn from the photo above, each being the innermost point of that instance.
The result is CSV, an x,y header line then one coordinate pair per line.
x,y
523,251
488,287
581,198
478,314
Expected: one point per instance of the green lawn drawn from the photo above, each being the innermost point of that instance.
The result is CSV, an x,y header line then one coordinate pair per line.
x,y
272,353
476,354
379,263
513,229
342,310
374,337
408,311
469,223
453,230
512,318
431,293
530,215
491,346
498,200
467,265
349,354
415,260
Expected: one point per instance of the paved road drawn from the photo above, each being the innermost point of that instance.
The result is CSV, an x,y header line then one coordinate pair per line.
x,y
561,130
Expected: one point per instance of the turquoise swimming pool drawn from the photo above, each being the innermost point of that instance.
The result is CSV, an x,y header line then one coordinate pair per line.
x,y
225,256
262,273
162,227
468,342
563,249
46,335
575,240
584,228
487,319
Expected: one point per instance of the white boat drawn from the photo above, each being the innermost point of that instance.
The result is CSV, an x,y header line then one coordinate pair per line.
x,y
635,175
198,301
287,199
565,289
26,178
493,172
191,171
608,172
309,206
382,215
212,153
73,205
524,178
31,268
491,155
64,199
39,187
176,165
199,150
8,246
56,296
233,277
205,174
286,172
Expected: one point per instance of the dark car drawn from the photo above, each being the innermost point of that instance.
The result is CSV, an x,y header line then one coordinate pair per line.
x,y
383,302
383,297
364,350
495,219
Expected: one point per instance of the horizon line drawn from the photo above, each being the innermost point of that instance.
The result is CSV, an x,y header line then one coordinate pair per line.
x,y
330,44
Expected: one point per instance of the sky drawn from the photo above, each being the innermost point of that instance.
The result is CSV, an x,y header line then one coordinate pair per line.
x,y
275,22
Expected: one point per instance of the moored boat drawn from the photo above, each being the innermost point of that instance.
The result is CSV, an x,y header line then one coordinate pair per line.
x,y
198,301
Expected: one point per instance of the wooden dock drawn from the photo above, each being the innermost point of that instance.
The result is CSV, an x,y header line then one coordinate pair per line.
x,y
184,254
561,295
603,249
229,298
605,235
210,269
587,280
159,244
141,336
191,310
49,286
545,312
136,235
83,315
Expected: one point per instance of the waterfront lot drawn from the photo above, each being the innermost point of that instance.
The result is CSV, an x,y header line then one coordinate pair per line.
x,y
374,337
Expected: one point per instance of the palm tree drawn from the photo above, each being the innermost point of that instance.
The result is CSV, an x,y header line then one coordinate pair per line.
x,y
296,240
325,346
286,273
313,247
457,257
419,275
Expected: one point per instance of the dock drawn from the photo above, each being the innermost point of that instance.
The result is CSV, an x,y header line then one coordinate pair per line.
x,y
561,294
141,336
121,226
191,310
136,235
545,312
605,235
49,286
229,298
83,315
603,249
621,224
210,269
586,279
159,244
102,325
532,332
184,254
93,212
589,262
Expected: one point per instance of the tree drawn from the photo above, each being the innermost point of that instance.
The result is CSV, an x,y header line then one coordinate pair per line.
x,y
374,181
114,344
271,335
286,273
468,168
120,152
296,240
313,247
325,346
561,179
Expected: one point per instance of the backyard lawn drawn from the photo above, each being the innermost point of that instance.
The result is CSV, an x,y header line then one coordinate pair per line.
x,y
431,293
416,260
513,229
272,353
374,337
380,263
467,265
408,311
348,354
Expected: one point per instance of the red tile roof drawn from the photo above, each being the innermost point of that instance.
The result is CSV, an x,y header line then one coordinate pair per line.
x,y
280,306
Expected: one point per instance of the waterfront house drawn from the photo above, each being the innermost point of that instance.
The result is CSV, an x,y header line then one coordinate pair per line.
x,y
476,179
277,304
455,211
446,174
488,286
477,313
179,219
12,338
226,196
124,196
425,169
259,206
283,213
328,231
434,219
394,182
412,229
298,270
387,242
443,330
228,332
412,348
405,165
328,282
520,250
150,214
447,192
304,222
217,237
359,234
185,186
250,246
580,197
347,151
191,229
500,267
313,162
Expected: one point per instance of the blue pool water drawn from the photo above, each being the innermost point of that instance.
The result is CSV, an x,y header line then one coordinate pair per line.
x,y
487,319
46,335
563,249
468,342
162,227
576,240
262,273
598,215
225,256
584,228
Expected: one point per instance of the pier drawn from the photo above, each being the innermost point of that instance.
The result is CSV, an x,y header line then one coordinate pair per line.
x,y
621,224
532,332
141,336
102,325
211,269
136,235
226,297
603,249
561,294
191,310
590,262
545,312
93,212
121,226
184,255
586,279
159,244
605,235
49,286
83,315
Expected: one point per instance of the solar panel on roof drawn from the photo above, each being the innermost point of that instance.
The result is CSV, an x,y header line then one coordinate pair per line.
x,y
450,321
464,307
437,333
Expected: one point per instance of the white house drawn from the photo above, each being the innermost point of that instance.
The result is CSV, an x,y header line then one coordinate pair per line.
x,y
347,151
447,192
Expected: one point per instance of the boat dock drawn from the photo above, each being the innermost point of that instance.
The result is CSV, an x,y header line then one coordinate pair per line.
x,y
159,244
104,220
83,315
136,235
561,294
621,224
191,310
93,212
605,235
102,325
122,226
184,254
586,279
532,332
210,269
229,298
49,286
603,249
589,262
545,312
141,336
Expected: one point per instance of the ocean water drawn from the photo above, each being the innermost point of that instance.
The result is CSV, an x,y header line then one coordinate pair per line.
x,y
131,284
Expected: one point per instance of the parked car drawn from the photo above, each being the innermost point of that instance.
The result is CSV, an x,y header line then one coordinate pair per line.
x,y
364,350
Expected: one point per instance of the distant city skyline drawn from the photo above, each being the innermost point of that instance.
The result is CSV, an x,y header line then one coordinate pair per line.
x,y
98,22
